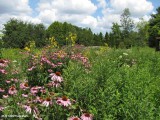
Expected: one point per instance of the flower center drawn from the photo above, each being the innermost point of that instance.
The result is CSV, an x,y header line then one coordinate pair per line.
x,y
48,99
26,84
87,115
58,73
12,88
75,118
56,82
2,61
64,98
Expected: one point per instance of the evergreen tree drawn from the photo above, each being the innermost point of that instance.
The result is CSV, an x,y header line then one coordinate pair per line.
x,y
154,28
116,35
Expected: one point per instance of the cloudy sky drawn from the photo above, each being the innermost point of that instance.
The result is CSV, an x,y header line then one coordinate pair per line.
x,y
96,14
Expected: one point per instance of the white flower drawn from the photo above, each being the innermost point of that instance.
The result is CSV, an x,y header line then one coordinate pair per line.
x,y
125,54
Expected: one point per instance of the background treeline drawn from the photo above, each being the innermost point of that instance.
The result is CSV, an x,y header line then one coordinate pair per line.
x,y
17,33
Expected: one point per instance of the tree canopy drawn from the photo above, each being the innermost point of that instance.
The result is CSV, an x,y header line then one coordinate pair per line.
x,y
154,28
18,33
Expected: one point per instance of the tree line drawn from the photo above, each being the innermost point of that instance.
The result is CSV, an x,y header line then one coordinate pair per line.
x,y
17,33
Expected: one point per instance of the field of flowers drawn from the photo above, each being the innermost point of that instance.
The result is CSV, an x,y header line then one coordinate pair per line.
x,y
78,83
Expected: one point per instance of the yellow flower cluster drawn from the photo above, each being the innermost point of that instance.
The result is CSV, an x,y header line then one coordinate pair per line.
x,y
103,49
71,39
30,45
53,42
27,49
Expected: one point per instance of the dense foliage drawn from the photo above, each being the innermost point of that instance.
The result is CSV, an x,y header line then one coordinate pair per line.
x,y
154,28
17,34
127,34
53,84
84,35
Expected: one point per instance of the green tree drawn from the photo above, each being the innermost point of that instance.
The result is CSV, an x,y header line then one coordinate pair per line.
x,y
98,39
60,31
39,35
126,23
154,28
116,33
18,33
142,32
56,30
84,36
106,37
15,34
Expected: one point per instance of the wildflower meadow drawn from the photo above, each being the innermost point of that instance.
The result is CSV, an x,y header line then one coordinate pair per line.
x,y
80,83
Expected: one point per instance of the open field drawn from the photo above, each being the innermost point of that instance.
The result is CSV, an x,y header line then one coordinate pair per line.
x,y
99,83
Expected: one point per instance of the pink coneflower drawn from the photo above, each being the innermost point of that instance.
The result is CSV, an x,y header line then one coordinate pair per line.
x,y
47,102
45,60
30,69
56,77
5,96
12,90
38,99
25,95
74,118
64,101
24,86
53,65
42,90
87,116
3,63
31,109
2,108
2,90
14,79
3,71
27,108
50,70
8,81
56,83
59,63
34,90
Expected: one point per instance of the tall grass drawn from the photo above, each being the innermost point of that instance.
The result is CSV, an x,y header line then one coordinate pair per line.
x,y
120,84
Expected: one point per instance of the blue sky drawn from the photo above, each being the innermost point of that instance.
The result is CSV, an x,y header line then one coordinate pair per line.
x,y
96,14
34,4
156,3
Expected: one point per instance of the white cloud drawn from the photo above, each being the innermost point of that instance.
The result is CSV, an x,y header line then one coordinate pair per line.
x,y
137,7
112,13
18,9
83,13
90,21
78,12
48,16
74,6
14,7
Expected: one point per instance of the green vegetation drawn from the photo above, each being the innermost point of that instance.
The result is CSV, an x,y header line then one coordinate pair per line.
x,y
66,72
154,28
18,34
116,84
